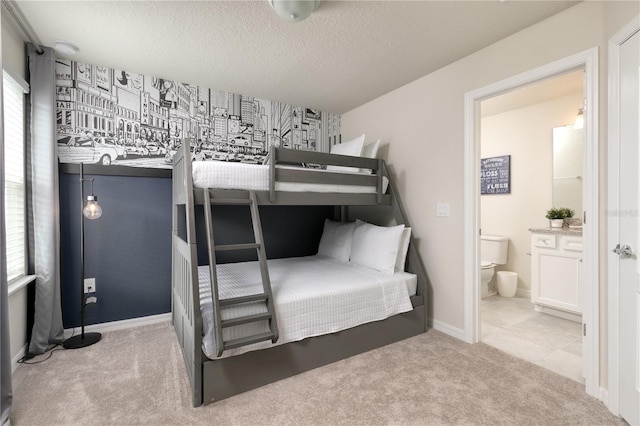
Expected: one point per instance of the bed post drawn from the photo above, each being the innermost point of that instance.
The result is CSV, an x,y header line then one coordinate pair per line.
x,y
380,172
272,173
186,315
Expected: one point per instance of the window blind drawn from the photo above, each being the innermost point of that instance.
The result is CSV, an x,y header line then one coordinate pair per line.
x,y
14,144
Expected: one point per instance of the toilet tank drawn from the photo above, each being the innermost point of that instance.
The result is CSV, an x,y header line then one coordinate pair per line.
x,y
494,249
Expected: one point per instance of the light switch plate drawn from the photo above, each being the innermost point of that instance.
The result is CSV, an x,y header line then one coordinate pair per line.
x,y
442,210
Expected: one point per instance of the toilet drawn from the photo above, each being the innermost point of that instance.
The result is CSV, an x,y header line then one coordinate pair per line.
x,y
493,252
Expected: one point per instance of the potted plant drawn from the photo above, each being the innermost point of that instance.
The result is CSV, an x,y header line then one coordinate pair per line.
x,y
557,216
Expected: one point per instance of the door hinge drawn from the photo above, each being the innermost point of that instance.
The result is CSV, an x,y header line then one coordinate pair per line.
x,y
584,217
584,330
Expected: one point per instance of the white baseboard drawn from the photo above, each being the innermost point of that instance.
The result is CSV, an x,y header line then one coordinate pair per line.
x,y
521,292
18,357
120,325
445,328
558,313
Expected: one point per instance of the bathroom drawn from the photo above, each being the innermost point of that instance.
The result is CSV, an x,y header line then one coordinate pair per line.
x,y
526,128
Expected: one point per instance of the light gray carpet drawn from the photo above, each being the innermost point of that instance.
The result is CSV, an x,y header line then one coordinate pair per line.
x,y
137,376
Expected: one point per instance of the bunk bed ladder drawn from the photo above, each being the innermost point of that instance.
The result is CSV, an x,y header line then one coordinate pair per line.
x,y
266,296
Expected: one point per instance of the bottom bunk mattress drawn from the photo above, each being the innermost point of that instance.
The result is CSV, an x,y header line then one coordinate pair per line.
x,y
313,295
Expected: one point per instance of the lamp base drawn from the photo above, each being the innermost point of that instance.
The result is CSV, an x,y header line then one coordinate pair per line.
x,y
80,341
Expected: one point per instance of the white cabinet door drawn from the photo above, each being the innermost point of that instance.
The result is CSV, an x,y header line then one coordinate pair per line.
x,y
555,271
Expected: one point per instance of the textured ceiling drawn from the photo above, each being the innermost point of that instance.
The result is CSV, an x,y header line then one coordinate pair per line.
x,y
345,54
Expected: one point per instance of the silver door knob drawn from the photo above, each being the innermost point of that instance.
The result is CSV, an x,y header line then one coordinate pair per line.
x,y
624,251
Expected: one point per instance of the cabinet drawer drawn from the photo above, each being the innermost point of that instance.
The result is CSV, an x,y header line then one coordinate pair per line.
x,y
548,241
572,243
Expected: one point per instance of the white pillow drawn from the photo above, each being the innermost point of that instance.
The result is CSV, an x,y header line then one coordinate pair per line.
x,y
336,240
376,247
352,148
402,249
370,150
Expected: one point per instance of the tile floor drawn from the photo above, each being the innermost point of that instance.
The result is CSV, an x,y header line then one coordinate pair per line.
x,y
511,325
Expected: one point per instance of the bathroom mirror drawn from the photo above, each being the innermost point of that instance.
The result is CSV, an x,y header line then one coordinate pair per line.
x,y
567,168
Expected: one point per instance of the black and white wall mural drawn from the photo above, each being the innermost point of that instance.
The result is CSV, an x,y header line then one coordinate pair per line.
x,y
111,116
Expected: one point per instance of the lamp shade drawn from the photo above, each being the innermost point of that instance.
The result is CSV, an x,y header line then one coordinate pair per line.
x,y
294,10
92,210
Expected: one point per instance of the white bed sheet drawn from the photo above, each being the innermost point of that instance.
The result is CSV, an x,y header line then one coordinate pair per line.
x,y
255,177
313,295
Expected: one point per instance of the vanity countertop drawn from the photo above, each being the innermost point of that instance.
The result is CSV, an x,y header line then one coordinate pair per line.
x,y
562,231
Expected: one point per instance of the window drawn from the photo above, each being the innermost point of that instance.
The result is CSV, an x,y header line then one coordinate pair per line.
x,y
14,144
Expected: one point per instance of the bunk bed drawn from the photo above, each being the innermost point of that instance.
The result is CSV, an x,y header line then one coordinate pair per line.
x,y
227,371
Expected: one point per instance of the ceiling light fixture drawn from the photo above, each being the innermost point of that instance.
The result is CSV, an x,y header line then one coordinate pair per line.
x,y
294,10
65,47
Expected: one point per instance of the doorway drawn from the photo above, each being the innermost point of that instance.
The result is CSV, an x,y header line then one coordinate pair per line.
x,y
537,127
587,60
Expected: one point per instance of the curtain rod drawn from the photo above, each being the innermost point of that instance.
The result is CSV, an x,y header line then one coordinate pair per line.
x,y
21,20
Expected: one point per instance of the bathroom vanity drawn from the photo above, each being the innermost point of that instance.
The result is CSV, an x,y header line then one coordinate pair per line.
x,y
556,264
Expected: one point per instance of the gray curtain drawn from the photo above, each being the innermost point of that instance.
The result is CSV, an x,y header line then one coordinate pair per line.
x,y
43,208
6,391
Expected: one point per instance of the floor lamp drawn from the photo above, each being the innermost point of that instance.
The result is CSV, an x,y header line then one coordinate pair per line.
x,y
90,211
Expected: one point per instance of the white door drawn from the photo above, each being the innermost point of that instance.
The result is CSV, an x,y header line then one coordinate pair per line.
x,y
629,267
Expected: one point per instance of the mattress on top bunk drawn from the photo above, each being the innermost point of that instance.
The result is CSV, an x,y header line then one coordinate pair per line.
x,y
255,177
313,295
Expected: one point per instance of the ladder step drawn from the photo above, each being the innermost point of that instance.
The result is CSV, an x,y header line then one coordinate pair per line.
x,y
243,320
246,246
243,299
244,341
231,201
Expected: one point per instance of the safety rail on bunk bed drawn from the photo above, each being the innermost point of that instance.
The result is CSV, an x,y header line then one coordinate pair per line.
x,y
187,318
290,157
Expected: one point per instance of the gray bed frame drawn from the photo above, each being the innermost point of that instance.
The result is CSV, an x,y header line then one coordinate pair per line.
x,y
212,380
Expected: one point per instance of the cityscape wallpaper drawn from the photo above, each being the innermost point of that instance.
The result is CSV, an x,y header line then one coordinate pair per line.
x,y
111,116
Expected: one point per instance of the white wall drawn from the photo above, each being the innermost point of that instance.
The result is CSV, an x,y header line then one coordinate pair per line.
x,y
526,134
13,60
18,324
422,126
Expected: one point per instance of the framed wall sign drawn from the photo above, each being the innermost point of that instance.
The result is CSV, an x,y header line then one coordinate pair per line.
x,y
495,175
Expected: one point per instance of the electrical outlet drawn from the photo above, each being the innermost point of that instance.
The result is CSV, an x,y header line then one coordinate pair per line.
x,y
89,285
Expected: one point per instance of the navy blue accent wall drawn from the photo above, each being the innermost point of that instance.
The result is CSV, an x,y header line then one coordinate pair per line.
x,y
288,231
128,249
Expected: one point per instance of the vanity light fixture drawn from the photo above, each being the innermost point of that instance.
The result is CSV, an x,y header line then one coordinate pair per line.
x,y
294,10
579,124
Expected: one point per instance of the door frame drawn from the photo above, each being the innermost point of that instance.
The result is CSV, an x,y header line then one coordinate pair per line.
x,y
613,202
588,61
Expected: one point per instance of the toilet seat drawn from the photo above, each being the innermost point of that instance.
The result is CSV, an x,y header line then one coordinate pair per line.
x,y
486,265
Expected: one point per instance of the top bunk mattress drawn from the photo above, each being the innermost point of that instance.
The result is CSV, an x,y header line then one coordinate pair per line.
x,y
313,295
255,177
